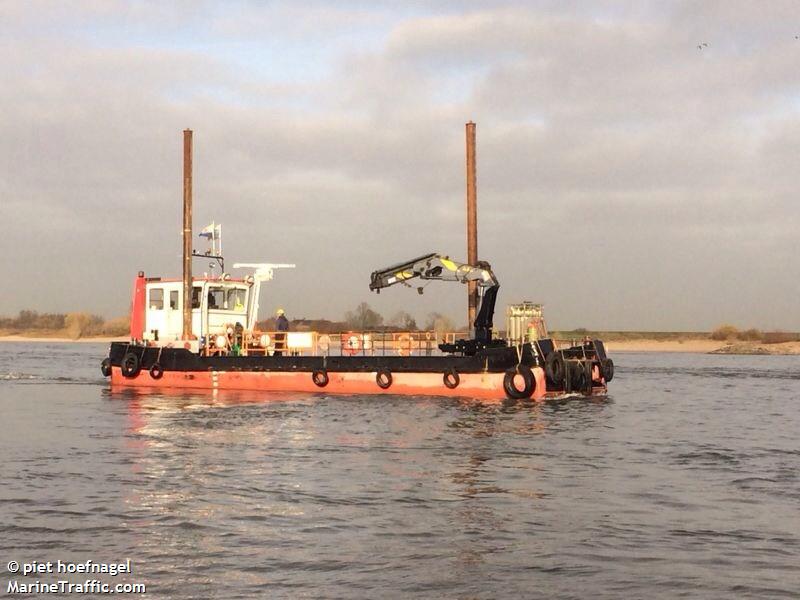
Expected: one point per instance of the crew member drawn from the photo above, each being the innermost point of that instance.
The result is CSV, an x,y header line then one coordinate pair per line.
x,y
282,326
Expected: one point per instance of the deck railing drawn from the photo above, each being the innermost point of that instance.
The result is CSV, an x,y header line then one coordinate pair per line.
x,y
350,343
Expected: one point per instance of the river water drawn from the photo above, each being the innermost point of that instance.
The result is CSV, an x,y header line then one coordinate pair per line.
x,y
683,482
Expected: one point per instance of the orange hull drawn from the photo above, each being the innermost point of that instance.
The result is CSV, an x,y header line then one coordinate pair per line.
x,y
472,385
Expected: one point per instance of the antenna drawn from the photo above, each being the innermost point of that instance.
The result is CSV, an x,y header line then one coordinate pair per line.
x,y
263,272
214,234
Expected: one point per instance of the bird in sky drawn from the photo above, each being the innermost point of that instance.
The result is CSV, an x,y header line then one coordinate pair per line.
x,y
703,45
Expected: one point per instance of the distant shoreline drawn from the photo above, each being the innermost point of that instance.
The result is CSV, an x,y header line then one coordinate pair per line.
x,y
83,340
655,345
703,347
691,346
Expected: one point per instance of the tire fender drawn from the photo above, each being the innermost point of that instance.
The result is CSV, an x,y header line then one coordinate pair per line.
x,y
607,369
320,378
510,383
383,378
577,375
451,379
131,365
555,368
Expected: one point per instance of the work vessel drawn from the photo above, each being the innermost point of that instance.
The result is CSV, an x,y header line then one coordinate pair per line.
x,y
202,333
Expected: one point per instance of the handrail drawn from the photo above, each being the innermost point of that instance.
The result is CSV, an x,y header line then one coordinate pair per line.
x,y
350,343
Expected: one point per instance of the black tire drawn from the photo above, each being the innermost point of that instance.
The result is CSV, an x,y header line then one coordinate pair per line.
x,y
588,370
320,378
555,368
105,367
577,376
510,383
131,365
383,378
451,379
156,371
607,369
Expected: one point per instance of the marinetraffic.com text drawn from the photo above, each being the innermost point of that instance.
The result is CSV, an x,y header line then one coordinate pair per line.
x,y
32,577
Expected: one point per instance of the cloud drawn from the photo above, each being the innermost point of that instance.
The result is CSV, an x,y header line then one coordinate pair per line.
x,y
627,178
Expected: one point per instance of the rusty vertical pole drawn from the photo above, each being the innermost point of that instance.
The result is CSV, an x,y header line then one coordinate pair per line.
x,y
472,224
187,234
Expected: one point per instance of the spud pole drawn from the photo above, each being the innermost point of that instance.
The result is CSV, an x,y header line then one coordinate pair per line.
x,y
472,224
187,234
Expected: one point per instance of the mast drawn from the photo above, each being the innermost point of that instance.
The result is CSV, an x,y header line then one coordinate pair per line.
x,y
187,234
472,225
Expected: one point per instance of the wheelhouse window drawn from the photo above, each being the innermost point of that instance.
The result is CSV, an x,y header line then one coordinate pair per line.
x,y
216,298
196,291
227,298
236,299
156,300
173,299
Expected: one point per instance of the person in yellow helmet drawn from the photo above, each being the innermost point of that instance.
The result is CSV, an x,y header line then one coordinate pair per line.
x,y
282,326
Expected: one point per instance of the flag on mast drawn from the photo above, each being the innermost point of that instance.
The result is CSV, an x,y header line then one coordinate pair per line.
x,y
214,234
210,231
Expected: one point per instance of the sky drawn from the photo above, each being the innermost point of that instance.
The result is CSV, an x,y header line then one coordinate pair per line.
x,y
637,161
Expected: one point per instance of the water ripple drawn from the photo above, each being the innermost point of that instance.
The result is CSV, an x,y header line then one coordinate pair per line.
x,y
684,482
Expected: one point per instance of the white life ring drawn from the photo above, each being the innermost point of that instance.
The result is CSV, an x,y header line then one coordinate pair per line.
x,y
324,342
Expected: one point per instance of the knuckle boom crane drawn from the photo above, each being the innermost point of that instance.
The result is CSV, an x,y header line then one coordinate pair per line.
x,y
439,267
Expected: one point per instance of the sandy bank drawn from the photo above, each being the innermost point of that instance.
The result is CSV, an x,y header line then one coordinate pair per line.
x,y
759,348
695,346
90,340
701,346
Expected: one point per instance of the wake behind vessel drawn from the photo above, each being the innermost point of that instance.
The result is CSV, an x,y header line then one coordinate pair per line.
x,y
213,342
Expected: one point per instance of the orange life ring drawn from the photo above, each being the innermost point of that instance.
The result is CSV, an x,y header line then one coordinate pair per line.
x,y
351,343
